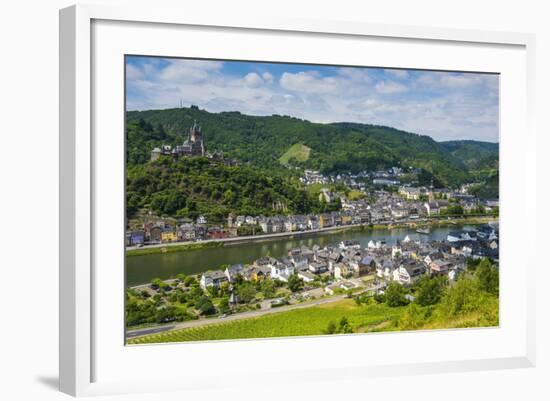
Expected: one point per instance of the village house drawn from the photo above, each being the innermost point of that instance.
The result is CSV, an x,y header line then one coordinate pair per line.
x,y
432,208
409,272
411,193
282,271
169,235
155,234
213,278
257,273
313,223
326,220
440,267
232,272
318,267
186,232
215,232
306,276
134,238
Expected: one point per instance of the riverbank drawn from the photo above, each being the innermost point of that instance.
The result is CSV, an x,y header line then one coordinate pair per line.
x,y
173,247
216,243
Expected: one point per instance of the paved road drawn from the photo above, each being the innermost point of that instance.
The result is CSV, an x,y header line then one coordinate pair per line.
x,y
237,316
148,331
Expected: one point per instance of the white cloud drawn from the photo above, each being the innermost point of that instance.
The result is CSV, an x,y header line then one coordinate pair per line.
x,y
133,73
189,70
389,87
253,80
400,74
459,80
268,77
308,82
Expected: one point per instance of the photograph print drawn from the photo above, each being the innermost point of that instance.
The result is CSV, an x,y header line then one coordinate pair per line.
x,y
269,199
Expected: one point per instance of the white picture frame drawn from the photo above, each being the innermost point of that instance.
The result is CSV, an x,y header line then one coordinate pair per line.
x,y
91,359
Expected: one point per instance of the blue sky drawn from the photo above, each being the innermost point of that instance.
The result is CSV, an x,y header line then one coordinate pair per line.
x,y
443,105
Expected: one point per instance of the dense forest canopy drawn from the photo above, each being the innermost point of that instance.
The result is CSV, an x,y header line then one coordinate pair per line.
x,y
188,187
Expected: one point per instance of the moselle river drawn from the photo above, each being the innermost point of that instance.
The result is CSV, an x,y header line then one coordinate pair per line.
x,y
142,269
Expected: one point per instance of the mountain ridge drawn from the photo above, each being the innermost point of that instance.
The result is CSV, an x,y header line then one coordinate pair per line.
x,y
335,147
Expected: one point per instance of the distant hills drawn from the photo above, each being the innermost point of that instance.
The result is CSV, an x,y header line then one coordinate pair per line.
x,y
276,142
474,154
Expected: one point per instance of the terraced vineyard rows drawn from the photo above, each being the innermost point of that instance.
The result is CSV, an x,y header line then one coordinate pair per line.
x,y
300,322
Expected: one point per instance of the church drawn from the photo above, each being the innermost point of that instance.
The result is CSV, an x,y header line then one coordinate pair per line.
x,y
193,146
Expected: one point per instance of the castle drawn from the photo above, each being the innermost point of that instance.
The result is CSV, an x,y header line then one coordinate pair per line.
x,y
192,147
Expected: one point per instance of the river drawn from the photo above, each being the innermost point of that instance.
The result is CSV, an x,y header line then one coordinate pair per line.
x,y
142,269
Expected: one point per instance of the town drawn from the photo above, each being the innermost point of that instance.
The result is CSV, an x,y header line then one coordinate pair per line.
x,y
406,205
315,275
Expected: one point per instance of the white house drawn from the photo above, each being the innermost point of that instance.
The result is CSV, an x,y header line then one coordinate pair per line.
x,y
306,276
408,273
281,271
214,278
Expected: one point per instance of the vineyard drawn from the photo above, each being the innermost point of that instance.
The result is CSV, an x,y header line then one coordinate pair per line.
x,y
299,322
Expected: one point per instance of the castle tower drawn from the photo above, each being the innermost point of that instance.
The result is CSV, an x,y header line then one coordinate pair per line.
x,y
195,133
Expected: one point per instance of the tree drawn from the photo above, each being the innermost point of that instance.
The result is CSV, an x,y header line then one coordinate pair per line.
x,y
189,280
453,210
331,328
156,283
224,288
268,288
213,291
295,283
223,306
395,295
488,277
246,292
204,305
430,290
412,319
345,326
166,314
380,298
463,297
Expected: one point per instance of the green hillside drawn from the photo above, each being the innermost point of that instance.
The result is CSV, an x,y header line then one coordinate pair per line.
x,y
474,154
189,187
268,141
297,152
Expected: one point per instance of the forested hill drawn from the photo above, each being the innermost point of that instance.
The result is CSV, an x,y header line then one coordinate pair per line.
x,y
475,154
266,141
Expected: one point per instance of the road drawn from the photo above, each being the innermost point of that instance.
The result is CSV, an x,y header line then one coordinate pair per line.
x,y
237,316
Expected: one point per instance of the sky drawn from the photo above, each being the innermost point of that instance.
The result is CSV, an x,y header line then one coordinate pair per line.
x,y
443,105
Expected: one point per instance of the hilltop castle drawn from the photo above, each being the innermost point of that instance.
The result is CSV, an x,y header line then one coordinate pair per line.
x,y
192,147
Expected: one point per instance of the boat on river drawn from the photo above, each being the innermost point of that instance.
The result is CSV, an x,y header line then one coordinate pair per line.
x,y
425,231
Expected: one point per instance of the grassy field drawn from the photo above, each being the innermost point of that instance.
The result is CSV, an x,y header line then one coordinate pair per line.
x,y
297,151
298,322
